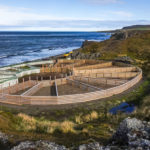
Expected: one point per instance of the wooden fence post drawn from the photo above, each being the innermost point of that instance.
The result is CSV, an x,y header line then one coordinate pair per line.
x,y
29,81
9,87
70,73
23,83
50,80
20,100
16,87
61,78
125,75
37,79
2,90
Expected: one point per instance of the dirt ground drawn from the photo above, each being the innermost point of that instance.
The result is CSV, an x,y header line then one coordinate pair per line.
x,y
67,89
45,91
21,92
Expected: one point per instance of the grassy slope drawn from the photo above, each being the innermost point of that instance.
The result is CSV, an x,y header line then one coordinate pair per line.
x,y
136,46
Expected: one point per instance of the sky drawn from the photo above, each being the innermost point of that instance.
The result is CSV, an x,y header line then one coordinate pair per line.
x,y
72,15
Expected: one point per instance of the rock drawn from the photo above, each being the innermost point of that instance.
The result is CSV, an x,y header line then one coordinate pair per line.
x,y
3,138
96,146
79,55
4,142
124,59
128,125
133,133
141,143
25,146
43,145
90,146
38,145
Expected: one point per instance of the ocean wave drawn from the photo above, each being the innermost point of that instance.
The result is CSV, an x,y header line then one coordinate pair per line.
x,y
3,56
95,40
30,56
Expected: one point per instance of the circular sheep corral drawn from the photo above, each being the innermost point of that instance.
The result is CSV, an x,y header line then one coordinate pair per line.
x,y
65,81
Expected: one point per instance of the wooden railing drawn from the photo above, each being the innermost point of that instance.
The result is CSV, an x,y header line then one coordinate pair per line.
x,y
104,81
32,90
68,99
83,85
56,88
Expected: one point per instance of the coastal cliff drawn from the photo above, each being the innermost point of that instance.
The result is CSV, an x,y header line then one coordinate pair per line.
x,y
132,43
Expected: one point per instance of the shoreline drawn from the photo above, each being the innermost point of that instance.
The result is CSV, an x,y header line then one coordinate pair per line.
x,y
41,59
52,55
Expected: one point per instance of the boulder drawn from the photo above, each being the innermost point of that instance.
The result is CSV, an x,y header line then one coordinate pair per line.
x,y
122,135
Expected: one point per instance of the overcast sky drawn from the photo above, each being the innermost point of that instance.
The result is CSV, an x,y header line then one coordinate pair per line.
x,y
72,15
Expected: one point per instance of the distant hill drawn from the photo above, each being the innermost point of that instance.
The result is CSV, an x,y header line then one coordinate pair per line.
x,y
137,27
133,27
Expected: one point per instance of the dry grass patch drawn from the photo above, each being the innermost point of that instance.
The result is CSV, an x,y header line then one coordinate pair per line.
x,y
28,123
67,126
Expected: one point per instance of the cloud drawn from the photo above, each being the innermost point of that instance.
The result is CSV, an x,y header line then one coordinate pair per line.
x,y
24,19
17,16
123,14
103,1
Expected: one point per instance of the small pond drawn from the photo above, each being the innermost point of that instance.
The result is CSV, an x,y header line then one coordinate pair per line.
x,y
123,107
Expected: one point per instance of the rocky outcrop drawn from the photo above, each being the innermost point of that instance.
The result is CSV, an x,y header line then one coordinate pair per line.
x,y
124,59
124,34
132,134
4,142
79,55
3,138
38,145
94,146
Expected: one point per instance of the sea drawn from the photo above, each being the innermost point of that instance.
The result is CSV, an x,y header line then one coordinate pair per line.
x,y
18,47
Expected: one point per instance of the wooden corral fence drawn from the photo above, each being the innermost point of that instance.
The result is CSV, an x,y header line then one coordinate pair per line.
x,y
32,90
71,68
82,61
68,99
106,70
18,87
82,85
95,66
104,81
47,69
119,72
